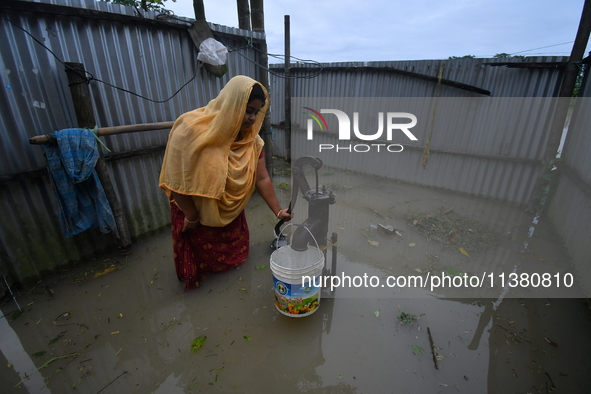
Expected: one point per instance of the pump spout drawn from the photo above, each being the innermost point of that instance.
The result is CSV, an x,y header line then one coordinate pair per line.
x,y
302,237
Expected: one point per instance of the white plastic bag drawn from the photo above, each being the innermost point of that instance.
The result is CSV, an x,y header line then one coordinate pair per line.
x,y
212,52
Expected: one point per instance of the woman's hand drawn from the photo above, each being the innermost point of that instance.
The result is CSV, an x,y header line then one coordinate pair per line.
x,y
284,215
189,224
186,205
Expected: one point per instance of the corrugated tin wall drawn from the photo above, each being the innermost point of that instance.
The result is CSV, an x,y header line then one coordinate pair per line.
x,y
570,209
370,79
498,164
153,60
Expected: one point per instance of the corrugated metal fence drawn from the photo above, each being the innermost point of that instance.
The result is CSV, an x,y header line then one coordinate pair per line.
x,y
496,163
570,209
150,56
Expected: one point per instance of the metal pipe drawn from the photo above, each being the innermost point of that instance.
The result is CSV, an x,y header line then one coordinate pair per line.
x,y
334,240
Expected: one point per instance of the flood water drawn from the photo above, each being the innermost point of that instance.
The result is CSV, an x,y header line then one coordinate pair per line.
x,y
123,324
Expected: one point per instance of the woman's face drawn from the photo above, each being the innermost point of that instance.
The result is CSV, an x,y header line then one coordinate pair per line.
x,y
252,109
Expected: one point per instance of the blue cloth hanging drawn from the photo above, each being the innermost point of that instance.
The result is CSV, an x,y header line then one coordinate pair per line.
x,y
81,199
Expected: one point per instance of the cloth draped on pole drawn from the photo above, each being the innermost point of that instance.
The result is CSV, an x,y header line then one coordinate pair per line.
x,y
81,200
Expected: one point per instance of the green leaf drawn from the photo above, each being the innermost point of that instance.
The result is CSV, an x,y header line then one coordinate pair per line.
x,y
260,266
17,314
377,313
417,349
247,337
197,343
451,271
407,318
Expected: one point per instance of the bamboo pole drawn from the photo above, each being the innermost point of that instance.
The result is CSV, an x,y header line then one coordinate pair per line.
x,y
85,116
102,131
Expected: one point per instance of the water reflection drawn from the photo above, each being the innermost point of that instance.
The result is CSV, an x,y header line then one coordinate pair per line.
x,y
18,359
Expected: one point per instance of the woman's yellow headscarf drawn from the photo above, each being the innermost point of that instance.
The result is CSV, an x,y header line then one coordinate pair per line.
x,y
203,160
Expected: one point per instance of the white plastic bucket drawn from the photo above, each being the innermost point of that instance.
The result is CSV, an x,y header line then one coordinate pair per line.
x,y
292,297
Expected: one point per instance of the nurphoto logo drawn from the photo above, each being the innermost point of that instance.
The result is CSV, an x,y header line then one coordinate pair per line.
x,y
391,119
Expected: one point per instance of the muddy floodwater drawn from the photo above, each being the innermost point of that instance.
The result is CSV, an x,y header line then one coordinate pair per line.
x,y
123,324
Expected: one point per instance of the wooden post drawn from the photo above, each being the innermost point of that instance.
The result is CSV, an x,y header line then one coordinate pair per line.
x,y
199,32
564,100
568,82
287,91
243,14
258,24
199,9
85,116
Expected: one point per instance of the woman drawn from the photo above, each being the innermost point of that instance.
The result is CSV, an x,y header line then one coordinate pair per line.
x,y
212,163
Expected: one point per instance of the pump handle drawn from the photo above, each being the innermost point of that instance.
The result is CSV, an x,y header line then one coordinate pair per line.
x,y
299,183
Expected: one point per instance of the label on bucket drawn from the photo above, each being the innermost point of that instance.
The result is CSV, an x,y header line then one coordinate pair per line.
x,y
295,299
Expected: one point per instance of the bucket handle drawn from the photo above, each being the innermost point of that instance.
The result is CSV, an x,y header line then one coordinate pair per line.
x,y
291,239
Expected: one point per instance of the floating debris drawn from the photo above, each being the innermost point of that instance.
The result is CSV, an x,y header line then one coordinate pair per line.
x,y
17,314
407,318
453,230
46,365
386,228
417,349
550,342
98,270
60,335
377,213
64,315
198,343
433,351
451,271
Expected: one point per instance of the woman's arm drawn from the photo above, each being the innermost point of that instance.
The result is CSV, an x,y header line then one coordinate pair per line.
x,y
265,187
185,203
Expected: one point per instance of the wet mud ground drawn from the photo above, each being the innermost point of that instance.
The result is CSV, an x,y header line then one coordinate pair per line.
x,y
123,324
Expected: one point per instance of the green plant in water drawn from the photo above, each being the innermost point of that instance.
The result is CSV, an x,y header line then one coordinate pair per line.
x,y
198,343
417,349
407,318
